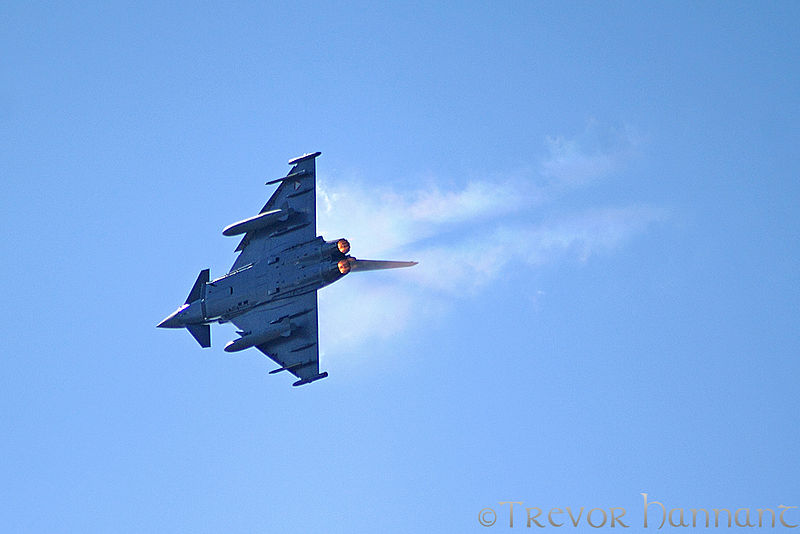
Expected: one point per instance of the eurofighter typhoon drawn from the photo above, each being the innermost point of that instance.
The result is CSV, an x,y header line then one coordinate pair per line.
x,y
270,293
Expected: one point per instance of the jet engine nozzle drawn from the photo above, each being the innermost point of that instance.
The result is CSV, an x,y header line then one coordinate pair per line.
x,y
336,249
344,266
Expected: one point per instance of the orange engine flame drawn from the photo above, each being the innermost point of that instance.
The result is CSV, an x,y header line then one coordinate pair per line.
x,y
343,245
344,266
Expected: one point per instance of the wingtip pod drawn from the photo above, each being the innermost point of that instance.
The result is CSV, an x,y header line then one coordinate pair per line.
x,y
298,159
310,379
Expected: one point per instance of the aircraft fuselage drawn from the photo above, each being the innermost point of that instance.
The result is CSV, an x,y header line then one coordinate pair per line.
x,y
298,269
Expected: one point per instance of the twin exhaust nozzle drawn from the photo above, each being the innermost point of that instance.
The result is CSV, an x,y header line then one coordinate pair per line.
x,y
345,265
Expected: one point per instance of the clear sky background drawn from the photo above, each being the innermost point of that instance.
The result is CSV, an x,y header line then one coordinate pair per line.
x,y
603,198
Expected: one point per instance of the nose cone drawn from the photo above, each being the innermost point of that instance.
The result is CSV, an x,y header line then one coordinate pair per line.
x,y
173,320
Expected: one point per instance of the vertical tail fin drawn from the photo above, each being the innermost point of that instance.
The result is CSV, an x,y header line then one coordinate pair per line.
x,y
376,265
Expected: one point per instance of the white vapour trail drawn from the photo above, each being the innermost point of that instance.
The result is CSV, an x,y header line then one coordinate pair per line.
x,y
365,309
462,238
383,220
460,266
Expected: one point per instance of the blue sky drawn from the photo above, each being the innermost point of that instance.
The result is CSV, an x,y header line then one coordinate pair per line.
x,y
603,198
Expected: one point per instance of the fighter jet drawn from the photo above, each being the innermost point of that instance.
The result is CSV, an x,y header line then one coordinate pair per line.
x,y
270,293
